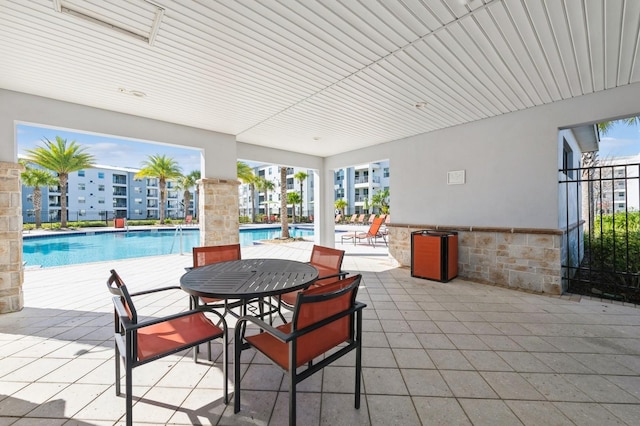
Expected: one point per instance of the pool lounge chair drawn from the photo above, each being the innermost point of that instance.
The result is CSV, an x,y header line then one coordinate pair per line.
x,y
370,235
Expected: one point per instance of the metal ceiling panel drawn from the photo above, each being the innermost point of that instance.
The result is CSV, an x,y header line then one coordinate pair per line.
x,y
320,76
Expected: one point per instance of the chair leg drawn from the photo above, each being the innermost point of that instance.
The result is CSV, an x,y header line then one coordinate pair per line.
x,y
129,385
225,365
292,394
358,358
237,351
118,361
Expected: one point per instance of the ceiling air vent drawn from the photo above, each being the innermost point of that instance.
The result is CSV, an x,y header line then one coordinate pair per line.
x,y
139,19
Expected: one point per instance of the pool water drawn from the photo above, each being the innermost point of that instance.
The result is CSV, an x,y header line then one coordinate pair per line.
x,y
60,250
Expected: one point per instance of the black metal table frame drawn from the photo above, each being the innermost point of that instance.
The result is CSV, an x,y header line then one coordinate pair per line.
x,y
247,280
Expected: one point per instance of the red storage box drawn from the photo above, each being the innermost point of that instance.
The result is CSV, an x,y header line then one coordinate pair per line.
x,y
434,255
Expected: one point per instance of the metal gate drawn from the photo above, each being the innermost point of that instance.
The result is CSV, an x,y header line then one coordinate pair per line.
x,y
601,220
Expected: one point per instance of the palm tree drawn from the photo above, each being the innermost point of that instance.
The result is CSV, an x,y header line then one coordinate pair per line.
x,y
163,168
300,177
246,176
381,200
605,126
195,176
36,178
284,217
265,186
185,183
341,204
62,159
294,198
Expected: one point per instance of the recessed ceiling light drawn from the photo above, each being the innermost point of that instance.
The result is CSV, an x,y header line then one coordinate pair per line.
x,y
420,105
316,138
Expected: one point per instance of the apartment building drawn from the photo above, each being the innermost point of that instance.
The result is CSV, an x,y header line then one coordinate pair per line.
x,y
354,184
359,183
619,189
261,201
104,193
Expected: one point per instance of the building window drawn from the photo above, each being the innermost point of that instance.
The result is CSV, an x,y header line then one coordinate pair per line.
x,y
100,175
567,159
385,172
100,200
137,211
82,213
81,173
81,200
100,187
137,190
81,187
138,201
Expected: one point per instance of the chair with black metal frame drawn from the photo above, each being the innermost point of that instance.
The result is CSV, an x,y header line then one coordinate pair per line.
x,y
370,235
324,319
138,342
328,262
207,255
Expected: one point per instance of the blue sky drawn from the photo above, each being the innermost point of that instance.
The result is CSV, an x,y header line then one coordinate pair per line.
x,y
109,151
622,140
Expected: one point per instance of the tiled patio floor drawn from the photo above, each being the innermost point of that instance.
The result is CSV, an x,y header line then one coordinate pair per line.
x,y
454,353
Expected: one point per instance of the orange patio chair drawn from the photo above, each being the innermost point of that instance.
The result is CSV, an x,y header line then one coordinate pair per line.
x,y
354,218
361,219
188,220
326,325
338,218
370,235
140,342
371,218
207,255
328,262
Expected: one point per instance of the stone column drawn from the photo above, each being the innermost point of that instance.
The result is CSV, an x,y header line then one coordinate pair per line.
x,y
11,272
218,209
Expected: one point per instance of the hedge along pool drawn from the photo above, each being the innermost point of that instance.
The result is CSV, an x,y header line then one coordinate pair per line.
x,y
60,250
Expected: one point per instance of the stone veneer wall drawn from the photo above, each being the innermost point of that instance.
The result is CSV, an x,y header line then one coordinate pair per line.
x,y
218,207
11,271
527,259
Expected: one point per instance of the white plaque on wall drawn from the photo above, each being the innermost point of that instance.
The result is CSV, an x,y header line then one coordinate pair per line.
x,y
455,177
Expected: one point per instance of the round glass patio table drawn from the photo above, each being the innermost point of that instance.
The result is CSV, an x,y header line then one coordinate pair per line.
x,y
248,278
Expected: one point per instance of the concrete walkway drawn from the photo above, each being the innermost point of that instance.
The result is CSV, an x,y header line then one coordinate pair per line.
x,y
454,353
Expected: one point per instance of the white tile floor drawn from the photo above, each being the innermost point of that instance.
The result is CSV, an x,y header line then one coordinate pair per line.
x,y
454,353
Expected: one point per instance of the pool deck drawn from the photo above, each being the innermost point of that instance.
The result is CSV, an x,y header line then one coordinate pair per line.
x,y
455,353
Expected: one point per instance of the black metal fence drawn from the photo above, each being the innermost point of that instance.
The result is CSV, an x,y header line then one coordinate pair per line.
x,y
601,245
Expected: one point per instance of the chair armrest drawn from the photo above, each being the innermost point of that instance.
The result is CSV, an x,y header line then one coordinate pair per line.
x,y
340,274
128,326
155,290
287,337
283,337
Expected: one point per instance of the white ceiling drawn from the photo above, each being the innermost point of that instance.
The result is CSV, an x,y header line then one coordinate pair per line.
x,y
319,77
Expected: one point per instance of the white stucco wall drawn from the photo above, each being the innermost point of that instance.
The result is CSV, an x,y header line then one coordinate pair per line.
x,y
19,107
510,161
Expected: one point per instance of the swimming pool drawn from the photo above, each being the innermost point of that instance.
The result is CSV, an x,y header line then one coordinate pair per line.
x,y
59,250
